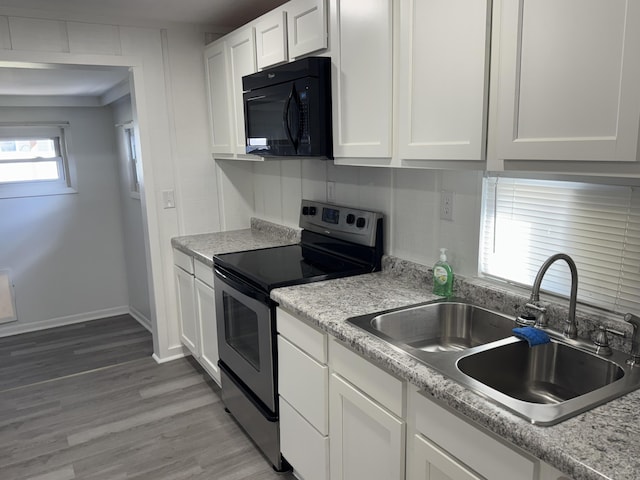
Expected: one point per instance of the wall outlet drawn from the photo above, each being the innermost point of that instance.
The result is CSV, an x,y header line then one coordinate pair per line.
x,y
446,205
331,192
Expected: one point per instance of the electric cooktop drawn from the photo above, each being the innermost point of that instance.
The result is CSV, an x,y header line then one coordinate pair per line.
x,y
336,242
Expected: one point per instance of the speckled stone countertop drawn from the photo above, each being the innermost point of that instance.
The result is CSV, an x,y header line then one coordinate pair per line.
x,y
603,443
262,234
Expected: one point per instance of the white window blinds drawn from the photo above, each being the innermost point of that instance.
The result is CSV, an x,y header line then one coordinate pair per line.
x,y
526,221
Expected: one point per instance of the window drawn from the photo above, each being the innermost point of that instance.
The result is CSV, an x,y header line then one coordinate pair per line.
x,y
33,160
132,161
526,221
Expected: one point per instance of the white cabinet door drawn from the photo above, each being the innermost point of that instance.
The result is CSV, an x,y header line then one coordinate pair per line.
x,y
568,80
241,49
306,449
431,463
271,39
189,329
457,438
367,441
206,315
443,79
362,82
307,26
218,93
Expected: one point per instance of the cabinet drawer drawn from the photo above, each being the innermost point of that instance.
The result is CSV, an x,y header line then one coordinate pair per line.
x,y
303,447
204,272
183,260
476,449
375,382
304,383
305,337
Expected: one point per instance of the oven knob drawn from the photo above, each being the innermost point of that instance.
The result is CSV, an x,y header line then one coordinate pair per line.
x,y
305,210
361,222
351,218
312,211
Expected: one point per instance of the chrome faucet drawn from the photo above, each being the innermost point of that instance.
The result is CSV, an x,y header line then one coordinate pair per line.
x,y
571,328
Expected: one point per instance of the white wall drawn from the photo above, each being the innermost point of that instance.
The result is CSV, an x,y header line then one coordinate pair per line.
x,y
132,229
409,198
66,251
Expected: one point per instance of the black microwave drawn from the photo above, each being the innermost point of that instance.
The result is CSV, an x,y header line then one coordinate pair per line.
x,y
287,109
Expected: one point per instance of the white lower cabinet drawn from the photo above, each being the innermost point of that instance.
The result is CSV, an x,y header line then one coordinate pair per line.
x,y
189,329
432,463
344,418
303,386
465,450
367,441
302,445
206,314
197,311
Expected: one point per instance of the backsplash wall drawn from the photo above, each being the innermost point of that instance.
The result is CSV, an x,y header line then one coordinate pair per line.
x,y
409,198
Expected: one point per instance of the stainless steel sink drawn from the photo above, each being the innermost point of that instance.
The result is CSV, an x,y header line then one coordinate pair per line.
x,y
438,326
475,347
551,373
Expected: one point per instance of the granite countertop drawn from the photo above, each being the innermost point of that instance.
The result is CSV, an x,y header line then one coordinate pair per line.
x,y
603,443
262,234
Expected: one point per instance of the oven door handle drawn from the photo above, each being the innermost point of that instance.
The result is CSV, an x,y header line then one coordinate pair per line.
x,y
242,287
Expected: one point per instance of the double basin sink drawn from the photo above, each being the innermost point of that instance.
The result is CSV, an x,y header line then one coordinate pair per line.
x,y
474,346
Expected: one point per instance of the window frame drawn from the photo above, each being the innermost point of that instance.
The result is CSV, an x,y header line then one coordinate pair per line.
x,y
623,219
132,160
60,131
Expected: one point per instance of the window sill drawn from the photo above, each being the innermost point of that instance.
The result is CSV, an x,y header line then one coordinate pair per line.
x,y
21,191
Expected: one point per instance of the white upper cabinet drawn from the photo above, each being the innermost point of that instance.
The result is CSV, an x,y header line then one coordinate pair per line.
x,y
295,29
307,26
569,76
362,80
242,61
219,95
443,63
271,39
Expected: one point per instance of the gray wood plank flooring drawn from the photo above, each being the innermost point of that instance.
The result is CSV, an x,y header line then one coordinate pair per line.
x,y
57,352
129,420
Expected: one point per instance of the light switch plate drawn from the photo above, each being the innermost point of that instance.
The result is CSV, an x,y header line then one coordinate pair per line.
x,y
168,199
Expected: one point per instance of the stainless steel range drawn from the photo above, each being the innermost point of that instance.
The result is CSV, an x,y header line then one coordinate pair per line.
x,y
336,242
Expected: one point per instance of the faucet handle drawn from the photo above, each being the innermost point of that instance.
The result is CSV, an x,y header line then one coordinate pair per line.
x,y
601,340
538,312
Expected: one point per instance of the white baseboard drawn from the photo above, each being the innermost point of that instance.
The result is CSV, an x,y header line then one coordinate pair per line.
x,y
169,358
16,328
140,318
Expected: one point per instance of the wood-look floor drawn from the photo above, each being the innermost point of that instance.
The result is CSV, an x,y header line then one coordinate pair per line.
x,y
109,411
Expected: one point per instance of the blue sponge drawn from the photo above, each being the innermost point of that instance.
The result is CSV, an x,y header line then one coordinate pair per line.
x,y
532,335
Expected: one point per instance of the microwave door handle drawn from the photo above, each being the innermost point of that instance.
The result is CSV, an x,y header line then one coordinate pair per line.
x,y
285,117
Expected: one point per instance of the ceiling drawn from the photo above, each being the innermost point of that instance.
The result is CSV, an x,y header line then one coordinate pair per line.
x,y
44,81
223,13
87,81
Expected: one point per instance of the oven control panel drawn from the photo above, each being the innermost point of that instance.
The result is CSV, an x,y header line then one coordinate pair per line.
x,y
346,223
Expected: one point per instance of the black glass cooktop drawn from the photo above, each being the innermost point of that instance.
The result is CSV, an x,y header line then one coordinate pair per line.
x,y
275,267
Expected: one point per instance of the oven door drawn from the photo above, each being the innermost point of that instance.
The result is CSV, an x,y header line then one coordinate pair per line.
x,y
246,335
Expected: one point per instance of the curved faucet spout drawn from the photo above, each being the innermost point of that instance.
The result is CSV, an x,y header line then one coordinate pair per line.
x,y
571,329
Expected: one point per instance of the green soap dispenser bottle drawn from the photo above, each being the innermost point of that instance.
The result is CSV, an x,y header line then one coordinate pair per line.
x,y
443,276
